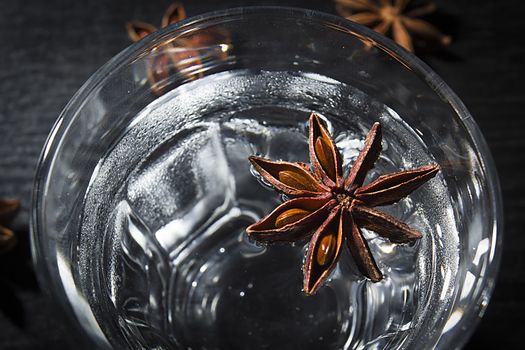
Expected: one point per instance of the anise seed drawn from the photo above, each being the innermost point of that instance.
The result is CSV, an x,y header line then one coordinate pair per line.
x,y
326,250
289,216
296,180
325,156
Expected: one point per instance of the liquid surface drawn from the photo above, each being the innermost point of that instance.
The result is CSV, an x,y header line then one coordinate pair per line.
x,y
163,234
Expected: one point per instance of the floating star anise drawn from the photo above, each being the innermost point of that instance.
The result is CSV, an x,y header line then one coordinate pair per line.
x,y
332,208
388,16
8,210
183,55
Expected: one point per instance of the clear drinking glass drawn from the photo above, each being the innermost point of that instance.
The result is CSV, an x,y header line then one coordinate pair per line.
x,y
143,191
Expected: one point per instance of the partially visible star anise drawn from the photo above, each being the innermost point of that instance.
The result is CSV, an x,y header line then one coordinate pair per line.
x,y
334,208
138,30
389,16
183,55
8,210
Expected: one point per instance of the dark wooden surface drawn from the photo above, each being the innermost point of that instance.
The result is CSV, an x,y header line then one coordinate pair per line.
x,y
49,48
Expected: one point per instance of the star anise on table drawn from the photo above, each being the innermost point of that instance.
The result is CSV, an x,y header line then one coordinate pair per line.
x,y
183,55
8,210
391,17
332,209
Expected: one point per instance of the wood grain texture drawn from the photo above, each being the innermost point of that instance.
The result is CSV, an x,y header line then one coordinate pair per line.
x,y
49,48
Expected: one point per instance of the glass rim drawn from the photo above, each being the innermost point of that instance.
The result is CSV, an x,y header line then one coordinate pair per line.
x,y
418,67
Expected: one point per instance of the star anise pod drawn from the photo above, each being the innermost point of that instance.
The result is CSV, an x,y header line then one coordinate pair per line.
x,y
183,55
8,210
331,208
389,17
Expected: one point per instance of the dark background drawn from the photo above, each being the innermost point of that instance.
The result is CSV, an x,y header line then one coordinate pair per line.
x,y
49,48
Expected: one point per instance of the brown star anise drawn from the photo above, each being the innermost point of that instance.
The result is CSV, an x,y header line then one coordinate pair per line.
x,y
387,16
183,55
8,210
333,208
